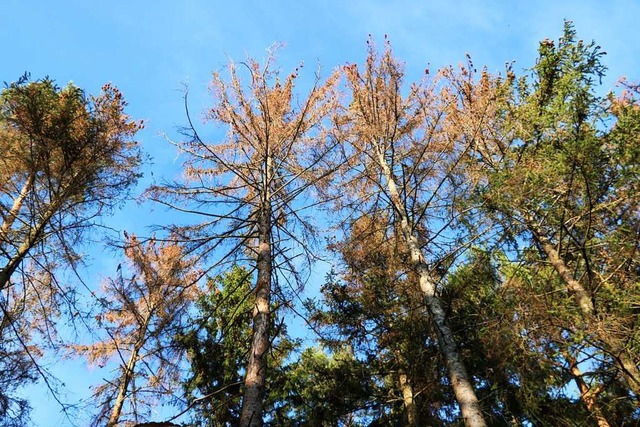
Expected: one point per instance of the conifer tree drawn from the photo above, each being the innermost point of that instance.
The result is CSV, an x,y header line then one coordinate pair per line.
x,y
401,165
67,158
253,192
140,315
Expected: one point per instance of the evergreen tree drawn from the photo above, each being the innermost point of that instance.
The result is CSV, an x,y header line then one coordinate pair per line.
x,y
217,347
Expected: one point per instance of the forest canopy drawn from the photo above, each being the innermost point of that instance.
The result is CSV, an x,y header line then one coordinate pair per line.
x,y
482,232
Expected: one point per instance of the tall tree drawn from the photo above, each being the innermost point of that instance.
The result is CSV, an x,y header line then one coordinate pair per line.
x,y
375,308
66,159
557,177
402,158
217,344
140,316
251,189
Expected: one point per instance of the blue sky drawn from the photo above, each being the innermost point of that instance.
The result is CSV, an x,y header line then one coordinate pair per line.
x,y
149,49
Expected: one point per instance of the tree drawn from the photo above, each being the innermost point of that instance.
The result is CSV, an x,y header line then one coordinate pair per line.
x,y
217,345
558,183
402,155
374,307
552,174
67,158
252,188
140,316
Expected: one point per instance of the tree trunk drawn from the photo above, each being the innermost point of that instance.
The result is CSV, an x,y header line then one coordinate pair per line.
x,y
588,396
30,241
460,381
585,303
581,295
408,398
630,371
7,271
256,376
127,375
15,209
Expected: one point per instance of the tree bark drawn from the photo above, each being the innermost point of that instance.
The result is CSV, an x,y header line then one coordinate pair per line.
x,y
15,208
581,295
588,396
460,381
34,236
585,303
408,399
256,376
127,375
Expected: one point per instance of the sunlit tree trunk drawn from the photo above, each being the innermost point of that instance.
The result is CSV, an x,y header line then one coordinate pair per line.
x,y
15,208
588,396
460,380
408,399
581,295
125,380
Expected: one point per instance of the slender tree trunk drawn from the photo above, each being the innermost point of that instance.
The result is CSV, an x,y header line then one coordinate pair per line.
x,y
29,242
460,381
588,396
7,271
585,303
408,398
125,380
15,209
581,295
127,374
256,376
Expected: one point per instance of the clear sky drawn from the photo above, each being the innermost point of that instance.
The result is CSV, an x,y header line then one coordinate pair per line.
x,y
150,49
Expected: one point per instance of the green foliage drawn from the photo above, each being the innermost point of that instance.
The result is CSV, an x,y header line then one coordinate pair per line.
x,y
374,309
328,390
217,346
541,171
563,191
494,311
